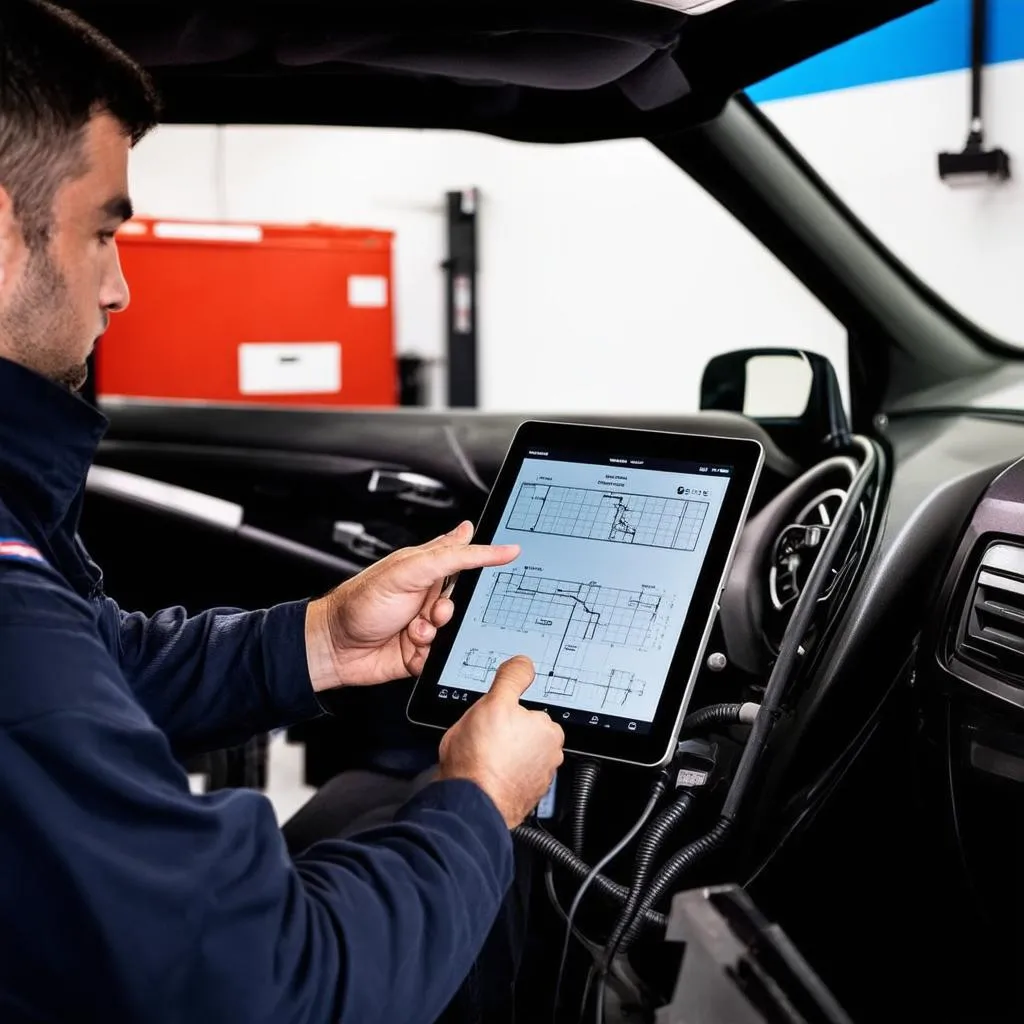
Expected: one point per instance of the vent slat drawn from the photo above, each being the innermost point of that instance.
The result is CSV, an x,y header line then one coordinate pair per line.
x,y
993,630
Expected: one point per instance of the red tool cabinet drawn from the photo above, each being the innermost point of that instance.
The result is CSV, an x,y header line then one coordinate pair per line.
x,y
226,312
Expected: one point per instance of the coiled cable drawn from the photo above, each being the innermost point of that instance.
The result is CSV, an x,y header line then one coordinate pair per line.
x,y
677,865
650,843
547,845
657,792
584,780
680,862
719,714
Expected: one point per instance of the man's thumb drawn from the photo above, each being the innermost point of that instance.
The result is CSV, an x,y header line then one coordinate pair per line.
x,y
513,678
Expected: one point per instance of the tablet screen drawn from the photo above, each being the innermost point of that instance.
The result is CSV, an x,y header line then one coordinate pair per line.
x,y
611,553
625,538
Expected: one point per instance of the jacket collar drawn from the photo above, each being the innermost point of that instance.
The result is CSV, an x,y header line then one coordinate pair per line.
x,y
48,439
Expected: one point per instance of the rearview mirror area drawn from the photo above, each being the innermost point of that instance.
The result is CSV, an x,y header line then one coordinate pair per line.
x,y
791,392
777,386
760,383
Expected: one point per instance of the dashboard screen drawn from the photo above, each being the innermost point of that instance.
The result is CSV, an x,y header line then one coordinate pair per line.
x,y
611,553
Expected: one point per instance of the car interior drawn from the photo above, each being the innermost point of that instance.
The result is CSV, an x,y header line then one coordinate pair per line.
x,y
870,810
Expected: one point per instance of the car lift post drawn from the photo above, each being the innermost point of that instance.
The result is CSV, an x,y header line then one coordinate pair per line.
x,y
461,297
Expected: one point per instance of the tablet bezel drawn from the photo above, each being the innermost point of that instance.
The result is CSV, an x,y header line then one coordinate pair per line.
x,y
745,456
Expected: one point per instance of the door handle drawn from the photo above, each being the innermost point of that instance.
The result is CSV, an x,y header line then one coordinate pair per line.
x,y
411,487
355,539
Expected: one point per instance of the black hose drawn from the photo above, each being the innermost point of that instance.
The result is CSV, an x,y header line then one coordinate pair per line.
x,y
666,879
584,780
658,831
714,714
558,853
650,843
790,649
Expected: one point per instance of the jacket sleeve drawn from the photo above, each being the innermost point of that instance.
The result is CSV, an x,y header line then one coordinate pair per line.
x,y
215,679
140,902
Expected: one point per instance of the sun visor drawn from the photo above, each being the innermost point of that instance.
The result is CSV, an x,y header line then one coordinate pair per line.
x,y
629,45
551,49
549,60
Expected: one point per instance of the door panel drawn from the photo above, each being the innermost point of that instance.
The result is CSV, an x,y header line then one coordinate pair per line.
x,y
389,477
303,496
195,557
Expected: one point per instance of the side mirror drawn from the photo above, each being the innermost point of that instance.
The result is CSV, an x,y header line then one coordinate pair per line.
x,y
794,394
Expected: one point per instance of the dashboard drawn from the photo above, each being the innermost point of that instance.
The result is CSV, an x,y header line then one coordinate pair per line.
x,y
899,759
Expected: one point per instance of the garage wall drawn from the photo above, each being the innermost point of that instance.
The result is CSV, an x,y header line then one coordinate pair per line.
x,y
872,117
608,279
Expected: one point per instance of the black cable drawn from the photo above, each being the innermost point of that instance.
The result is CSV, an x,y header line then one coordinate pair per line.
x,y
587,985
800,621
584,779
657,792
670,818
599,997
547,845
813,796
679,863
650,843
549,885
714,714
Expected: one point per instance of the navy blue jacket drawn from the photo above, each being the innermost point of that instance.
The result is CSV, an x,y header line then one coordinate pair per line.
x,y
124,897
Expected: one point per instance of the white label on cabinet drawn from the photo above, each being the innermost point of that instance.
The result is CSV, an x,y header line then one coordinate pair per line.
x,y
365,292
289,368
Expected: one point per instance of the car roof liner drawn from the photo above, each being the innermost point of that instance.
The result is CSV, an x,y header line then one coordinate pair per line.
x,y
554,71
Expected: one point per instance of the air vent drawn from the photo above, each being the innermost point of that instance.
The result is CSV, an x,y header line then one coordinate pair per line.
x,y
992,632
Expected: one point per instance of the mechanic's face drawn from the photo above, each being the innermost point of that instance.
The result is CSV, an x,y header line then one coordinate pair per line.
x,y
56,299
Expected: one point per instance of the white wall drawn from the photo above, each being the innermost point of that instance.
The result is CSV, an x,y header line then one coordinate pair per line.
x,y
877,145
608,278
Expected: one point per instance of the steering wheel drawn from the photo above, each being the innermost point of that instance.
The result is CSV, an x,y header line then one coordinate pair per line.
x,y
774,558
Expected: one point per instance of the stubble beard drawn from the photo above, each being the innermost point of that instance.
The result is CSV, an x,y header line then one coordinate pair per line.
x,y
39,325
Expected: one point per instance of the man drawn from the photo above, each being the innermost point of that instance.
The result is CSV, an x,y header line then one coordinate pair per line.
x,y
123,897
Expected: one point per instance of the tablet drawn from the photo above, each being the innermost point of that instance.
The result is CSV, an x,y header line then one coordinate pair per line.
x,y
626,539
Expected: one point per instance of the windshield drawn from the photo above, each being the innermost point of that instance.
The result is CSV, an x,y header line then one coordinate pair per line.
x,y
606,278
872,117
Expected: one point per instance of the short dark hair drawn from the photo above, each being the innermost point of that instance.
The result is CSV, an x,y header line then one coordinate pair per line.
x,y
56,73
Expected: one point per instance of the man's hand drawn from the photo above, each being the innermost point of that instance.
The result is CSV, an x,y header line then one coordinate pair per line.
x,y
509,752
379,625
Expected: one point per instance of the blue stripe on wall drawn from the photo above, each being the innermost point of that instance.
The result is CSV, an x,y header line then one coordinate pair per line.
x,y
927,42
